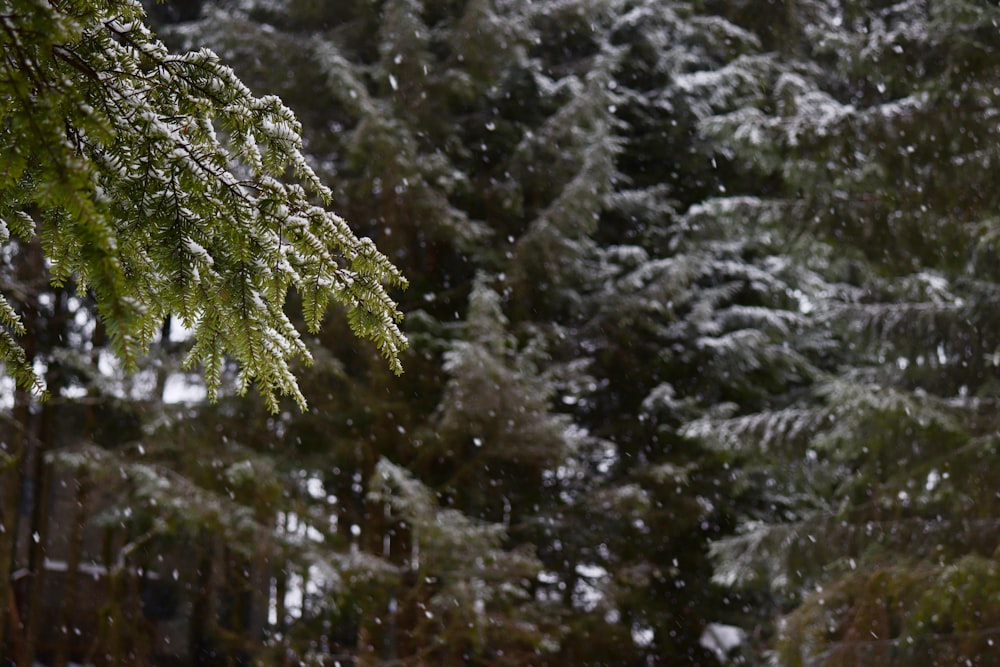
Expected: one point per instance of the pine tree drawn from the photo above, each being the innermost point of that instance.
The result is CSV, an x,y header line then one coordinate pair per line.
x,y
877,125
495,418
471,599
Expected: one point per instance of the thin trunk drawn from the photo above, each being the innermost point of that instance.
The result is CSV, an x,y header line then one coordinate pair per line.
x,y
124,603
68,603
281,582
41,501
112,610
15,442
280,592
229,590
114,651
304,610
138,637
259,597
791,38
371,636
204,612
38,541
11,462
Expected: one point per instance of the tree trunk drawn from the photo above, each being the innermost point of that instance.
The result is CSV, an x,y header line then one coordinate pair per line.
x,y
791,39
109,645
40,471
16,440
280,593
37,543
204,613
138,637
68,603
12,443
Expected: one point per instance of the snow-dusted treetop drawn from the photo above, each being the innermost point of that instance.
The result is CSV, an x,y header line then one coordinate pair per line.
x,y
158,182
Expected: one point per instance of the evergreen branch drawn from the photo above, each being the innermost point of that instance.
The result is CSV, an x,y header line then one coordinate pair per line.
x,y
139,131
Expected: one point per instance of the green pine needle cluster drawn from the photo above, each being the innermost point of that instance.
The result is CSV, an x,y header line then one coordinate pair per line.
x,y
158,182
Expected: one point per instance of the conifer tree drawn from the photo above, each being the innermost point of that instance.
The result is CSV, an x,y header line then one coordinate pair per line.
x,y
876,519
495,418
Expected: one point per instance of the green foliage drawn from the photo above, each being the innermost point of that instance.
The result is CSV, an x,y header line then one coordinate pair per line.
x,y
864,479
154,181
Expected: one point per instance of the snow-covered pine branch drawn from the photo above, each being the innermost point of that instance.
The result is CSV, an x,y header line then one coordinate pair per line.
x,y
158,182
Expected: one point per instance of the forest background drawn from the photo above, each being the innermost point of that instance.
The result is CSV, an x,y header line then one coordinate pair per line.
x,y
703,321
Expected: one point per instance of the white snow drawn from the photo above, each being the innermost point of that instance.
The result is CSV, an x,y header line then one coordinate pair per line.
x,y
720,638
181,388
